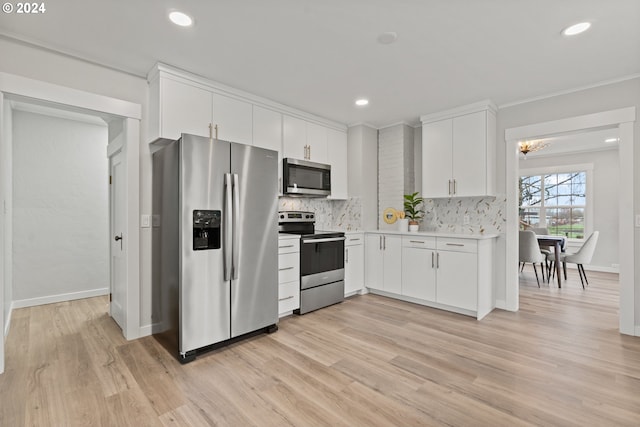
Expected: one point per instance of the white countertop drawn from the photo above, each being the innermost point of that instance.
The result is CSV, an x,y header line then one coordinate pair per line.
x,y
436,234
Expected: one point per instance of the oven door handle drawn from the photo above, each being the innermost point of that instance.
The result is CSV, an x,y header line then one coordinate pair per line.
x,y
331,239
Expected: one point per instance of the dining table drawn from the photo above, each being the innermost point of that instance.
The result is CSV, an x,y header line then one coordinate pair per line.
x,y
557,243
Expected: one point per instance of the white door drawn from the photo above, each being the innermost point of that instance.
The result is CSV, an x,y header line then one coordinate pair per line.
x,y
118,240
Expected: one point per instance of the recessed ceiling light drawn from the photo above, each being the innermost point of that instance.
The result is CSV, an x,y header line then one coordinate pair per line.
x,y
362,102
576,29
388,37
611,140
181,19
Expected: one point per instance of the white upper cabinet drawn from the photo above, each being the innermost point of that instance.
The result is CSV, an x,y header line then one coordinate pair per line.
x,y
458,151
294,135
337,152
316,143
233,119
185,109
304,140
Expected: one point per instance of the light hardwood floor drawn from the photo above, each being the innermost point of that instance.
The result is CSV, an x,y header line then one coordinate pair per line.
x,y
370,361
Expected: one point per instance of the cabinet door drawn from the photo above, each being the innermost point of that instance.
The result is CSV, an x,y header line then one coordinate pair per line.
x,y
392,274
267,133
436,158
373,261
470,154
337,152
317,142
457,279
184,109
294,137
234,119
419,273
353,268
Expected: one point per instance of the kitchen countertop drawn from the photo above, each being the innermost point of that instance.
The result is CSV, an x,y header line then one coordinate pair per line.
x,y
436,234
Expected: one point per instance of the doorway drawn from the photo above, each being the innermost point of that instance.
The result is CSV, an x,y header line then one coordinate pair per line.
x,y
123,120
621,119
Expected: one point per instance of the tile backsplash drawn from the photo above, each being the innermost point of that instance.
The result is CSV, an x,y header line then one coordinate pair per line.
x,y
486,214
330,214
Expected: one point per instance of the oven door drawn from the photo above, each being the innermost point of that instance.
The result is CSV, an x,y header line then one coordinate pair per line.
x,y
321,261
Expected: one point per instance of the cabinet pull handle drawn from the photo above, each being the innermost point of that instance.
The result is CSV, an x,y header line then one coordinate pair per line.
x,y
216,128
380,242
346,255
422,242
285,298
384,243
354,240
210,131
438,260
309,152
286,246
455,244
432,259
455,186
286,268
449,189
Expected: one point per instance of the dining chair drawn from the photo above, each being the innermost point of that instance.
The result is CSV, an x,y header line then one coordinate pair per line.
x,y
530,252
545,250
583,256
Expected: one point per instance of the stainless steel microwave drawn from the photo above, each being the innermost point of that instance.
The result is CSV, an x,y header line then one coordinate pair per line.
x,y
304,178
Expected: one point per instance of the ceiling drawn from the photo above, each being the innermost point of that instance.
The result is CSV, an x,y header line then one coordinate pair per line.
x,y
319,56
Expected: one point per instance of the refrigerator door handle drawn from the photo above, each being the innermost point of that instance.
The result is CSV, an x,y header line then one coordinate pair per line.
x,y
236,212
228,227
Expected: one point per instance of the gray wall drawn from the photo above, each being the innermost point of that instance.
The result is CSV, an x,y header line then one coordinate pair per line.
x,y
60,209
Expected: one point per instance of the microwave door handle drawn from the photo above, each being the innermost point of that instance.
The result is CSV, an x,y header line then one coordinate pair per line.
x,y
235,262
228,245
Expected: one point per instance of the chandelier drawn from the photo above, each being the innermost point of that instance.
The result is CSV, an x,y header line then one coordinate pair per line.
x,y
531,146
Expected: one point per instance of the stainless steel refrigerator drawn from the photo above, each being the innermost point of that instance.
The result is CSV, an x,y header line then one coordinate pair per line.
x,y
215,243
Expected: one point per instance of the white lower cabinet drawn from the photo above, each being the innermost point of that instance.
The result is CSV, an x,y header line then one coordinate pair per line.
x,y
353,263
418,267
449,273
383,262
288,275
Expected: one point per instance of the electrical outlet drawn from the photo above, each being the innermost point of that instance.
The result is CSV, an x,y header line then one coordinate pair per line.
x,y
466,220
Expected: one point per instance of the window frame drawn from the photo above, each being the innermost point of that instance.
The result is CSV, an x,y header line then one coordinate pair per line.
x,y
569,168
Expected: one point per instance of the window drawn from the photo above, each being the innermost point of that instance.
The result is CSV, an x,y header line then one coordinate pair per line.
x,y
557,201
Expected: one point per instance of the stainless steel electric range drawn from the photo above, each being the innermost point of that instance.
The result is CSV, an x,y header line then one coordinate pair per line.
x,y
321,261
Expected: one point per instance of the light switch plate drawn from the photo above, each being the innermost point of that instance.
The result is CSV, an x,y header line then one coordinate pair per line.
x,y
145,221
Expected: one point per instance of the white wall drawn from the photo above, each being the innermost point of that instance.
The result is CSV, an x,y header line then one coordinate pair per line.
x,y
60,209
593,100
606,172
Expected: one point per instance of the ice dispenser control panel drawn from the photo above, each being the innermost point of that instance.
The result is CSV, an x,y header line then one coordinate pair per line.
x,y
206,230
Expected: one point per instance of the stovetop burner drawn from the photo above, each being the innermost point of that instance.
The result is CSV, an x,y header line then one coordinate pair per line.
x,y
303,224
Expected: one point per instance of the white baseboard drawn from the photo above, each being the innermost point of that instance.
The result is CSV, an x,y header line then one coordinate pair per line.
x,y
50,299
637,331
147,330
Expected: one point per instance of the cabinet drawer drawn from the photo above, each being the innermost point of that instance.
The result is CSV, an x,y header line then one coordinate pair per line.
x,y
354,239
288,296
457,245
418,242
286,246
288,267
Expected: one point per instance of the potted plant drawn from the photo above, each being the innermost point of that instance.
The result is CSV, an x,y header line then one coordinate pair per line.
x,y
413,209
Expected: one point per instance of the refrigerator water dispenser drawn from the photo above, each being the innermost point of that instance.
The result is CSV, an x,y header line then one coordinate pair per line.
x,y
206,230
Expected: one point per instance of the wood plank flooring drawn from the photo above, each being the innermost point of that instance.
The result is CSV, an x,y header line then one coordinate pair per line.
x,y
370,361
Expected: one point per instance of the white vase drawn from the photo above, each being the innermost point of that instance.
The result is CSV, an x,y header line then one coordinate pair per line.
x,y
414,227
403,225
